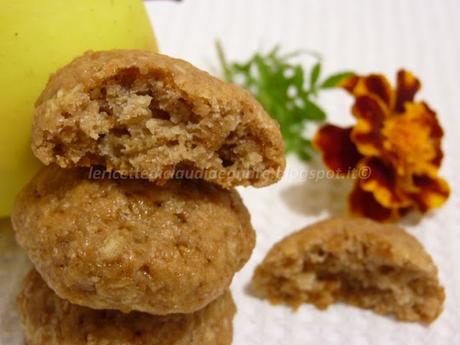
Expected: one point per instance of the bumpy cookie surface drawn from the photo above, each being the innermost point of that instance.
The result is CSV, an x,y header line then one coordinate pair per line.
x,y
358,261
130,244
147,114
50,320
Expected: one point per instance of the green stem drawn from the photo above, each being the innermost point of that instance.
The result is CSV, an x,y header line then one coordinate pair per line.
x,y
223,61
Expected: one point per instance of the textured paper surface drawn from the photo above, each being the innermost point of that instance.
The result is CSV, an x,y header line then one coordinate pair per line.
x,y
365,36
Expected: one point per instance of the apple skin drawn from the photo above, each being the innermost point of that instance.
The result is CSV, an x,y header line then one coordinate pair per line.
x,y
38,37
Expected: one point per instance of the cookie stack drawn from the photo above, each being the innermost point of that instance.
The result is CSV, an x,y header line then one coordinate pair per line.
x,y
134,226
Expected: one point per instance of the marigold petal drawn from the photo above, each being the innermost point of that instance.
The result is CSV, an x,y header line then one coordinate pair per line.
x,y
412,140
399,141
363,204
433,192
338,151
437,160
375,85
366,134
381,180
350,83
406,88
427,116
436,133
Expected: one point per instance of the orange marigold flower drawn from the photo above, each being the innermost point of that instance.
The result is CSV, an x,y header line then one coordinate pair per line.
x,y
396,139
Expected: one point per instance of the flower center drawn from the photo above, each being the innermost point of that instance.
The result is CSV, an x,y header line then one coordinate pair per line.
x,y
407,139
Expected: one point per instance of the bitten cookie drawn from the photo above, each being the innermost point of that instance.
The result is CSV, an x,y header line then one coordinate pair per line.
x,y
150,115
132,245
50,320
358,261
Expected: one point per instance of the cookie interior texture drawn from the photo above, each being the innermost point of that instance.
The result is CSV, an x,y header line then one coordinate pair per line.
x,y
50,320
151,115
357,261
130,244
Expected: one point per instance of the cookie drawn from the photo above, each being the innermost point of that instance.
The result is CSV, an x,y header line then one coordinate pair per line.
x,y
50,320
357,261
152,116
130,244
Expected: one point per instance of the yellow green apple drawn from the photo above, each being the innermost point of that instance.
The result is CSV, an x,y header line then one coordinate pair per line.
x,y
36,38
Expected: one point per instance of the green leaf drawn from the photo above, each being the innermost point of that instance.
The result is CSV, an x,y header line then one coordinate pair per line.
x,y
314,76
335,79
223,61
280,86
314,111
298,77
306,152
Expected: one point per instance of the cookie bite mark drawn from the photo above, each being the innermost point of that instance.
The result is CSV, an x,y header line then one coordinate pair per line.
x,y
148,114
356,261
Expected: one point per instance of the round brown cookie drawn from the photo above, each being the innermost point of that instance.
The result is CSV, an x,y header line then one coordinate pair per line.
x,y
50,320
148,114
132,245
358,261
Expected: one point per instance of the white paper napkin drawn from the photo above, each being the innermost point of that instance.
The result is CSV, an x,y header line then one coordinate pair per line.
x,y
361,35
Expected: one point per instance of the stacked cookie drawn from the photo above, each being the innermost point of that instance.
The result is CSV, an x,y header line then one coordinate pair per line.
x,y
134,226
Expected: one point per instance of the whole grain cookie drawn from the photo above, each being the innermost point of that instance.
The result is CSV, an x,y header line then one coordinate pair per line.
x,y
130,244
358,261
50,320
150,115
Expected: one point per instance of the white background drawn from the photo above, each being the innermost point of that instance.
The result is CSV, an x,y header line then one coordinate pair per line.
x,y
362,35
